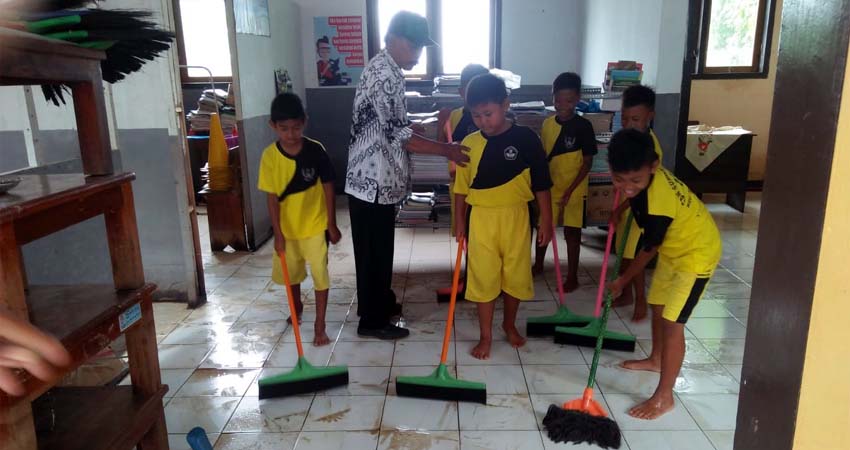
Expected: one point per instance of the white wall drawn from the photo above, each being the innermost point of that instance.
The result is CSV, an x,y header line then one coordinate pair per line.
x,y
672,43
257,57
542,38
621,29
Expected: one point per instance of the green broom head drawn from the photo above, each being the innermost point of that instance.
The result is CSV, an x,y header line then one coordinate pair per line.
x,y
571,425
586,337
440,385
545,325
304,378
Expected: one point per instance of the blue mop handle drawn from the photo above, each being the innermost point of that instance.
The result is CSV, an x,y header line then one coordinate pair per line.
x,y
197,439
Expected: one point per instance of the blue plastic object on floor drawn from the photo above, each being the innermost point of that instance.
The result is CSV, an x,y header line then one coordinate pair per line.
x,y
197,439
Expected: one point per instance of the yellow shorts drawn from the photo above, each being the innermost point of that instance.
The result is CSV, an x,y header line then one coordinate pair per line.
x,y
634,235
300,252
499,253
573,214
677,290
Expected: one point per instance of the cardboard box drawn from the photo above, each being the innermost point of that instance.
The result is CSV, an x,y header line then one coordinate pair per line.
x,y
600,199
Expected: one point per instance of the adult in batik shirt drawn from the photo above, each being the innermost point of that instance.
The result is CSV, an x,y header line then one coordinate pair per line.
x,y
378,175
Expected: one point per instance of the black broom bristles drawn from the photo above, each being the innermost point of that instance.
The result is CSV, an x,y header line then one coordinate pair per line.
x,y
135,40
563,425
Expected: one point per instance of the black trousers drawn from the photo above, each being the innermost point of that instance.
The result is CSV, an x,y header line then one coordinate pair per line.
x,y
373,236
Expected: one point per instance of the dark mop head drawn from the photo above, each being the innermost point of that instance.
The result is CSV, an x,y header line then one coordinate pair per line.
x,y
564,425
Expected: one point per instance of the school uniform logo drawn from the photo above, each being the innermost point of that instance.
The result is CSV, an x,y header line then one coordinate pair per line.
x,y
511,153
569,142
308,174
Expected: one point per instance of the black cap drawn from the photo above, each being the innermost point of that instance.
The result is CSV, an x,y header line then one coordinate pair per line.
x,y
412,27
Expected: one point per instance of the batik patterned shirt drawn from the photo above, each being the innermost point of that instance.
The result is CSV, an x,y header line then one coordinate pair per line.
x,y
378,165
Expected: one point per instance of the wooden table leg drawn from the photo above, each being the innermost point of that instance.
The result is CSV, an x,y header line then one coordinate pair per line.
x,y
17,430
127,270
737,200
144,371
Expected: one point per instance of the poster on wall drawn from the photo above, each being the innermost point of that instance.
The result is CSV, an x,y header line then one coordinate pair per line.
x,y
252,17
339,49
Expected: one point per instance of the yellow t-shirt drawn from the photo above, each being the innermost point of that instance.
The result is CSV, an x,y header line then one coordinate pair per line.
x,y
297,182
503,170
657,145
566,145
678,223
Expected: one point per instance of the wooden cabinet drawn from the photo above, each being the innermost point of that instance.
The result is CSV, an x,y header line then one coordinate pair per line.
x,y
86,318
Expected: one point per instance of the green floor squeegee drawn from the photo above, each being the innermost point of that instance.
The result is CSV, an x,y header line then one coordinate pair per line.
x,y
586,335
305,377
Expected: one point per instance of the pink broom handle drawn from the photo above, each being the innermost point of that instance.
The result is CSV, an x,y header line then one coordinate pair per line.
x,y
602,276
557,262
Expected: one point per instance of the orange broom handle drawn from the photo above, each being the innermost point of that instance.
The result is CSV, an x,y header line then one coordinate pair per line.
x,y
295,327
450,320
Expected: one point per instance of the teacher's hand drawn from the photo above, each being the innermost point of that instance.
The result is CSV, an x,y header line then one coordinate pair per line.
x,y
418,128
456,153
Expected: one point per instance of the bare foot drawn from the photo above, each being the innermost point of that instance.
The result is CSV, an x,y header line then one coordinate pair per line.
x,y
655,407
570,284
320,338
536,269
647,365
640,312
298,310
482,350
516,339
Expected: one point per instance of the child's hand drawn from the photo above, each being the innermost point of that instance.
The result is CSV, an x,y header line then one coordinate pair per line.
x,y
333,234
616,287
417,128
544,234
565,198
279,244
460,230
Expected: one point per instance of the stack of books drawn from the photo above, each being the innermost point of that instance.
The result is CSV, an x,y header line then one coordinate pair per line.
x,y
212,101
622,74
416,209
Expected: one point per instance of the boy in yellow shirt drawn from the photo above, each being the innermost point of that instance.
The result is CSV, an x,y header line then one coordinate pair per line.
x,y
637,113
298,177
679,229
507,169
570,145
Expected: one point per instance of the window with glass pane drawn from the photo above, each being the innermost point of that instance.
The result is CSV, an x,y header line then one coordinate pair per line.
x,y
387,9
735,38
466,33
204,40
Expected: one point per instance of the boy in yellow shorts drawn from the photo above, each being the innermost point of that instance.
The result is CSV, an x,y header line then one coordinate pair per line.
x,y
570,144
637,113
507,169
679,229
298,177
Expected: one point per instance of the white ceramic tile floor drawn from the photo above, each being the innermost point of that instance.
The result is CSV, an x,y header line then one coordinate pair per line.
x,y
211,357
